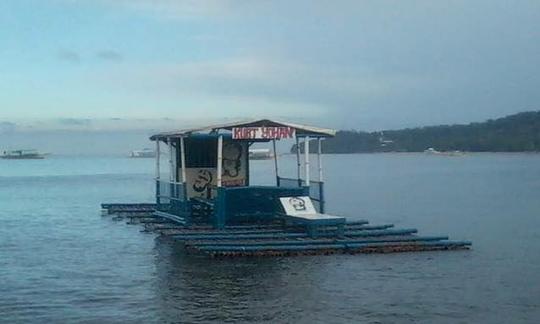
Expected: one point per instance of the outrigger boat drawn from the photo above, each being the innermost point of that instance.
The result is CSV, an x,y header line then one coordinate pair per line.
x,y
144,153
208,203
30,154
260,154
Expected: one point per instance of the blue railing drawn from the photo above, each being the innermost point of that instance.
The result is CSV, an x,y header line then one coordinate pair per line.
x,y
171,197
250,204
237,204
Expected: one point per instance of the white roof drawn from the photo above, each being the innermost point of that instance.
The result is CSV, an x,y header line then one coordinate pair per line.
x,y
301,130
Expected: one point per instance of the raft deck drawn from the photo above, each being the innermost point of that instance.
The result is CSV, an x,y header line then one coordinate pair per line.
x,y
282,238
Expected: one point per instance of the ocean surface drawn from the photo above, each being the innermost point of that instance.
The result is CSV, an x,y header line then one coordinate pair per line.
x,y
62,261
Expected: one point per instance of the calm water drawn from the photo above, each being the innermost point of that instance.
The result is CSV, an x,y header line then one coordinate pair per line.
x,y
61,261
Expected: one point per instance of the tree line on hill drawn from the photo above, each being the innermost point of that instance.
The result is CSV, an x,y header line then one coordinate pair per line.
x,y
515,133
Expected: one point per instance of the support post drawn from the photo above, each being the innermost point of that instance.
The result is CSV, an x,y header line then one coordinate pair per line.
x,y
319,159
183,159
157,160
221,212
306,159
276,166
219,159
171,163
184,178
171,167
321,180
158,173
298,164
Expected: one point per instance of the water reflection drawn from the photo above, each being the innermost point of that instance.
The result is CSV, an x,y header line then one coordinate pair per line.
x,y
197,288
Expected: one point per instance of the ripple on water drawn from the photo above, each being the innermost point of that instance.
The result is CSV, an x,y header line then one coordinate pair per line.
x,y
60,261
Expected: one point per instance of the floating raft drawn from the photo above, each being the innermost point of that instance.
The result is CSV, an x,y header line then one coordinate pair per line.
x,y
277,239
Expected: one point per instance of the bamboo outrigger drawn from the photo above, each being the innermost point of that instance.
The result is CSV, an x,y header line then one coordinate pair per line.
x,y
208,203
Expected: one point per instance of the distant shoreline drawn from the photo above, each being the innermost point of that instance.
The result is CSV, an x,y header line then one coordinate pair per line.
x,y
512,134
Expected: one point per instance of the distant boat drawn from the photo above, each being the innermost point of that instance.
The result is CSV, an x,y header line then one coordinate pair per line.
x,y
144,153
260,154
433,151
30,154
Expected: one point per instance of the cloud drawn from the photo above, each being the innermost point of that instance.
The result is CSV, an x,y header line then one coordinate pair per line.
x,y
268,80
7,127
379,63
179,9
69,56
109,55
75,121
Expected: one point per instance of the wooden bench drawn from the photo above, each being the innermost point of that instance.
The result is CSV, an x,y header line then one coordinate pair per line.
x,y
300,211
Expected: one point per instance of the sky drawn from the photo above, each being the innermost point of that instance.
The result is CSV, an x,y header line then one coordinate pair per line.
x,y
105,64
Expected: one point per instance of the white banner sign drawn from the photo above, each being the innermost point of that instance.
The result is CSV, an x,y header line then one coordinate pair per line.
x,y
247,133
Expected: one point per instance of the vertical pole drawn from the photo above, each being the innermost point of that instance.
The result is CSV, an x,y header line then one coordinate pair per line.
x,y
157,160
221,212
306,156
321,181
158,173
319,159
183,172
276,162
219,159
171,166
248,176
298,164
183,159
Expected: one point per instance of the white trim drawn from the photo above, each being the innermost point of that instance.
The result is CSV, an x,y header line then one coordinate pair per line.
x,y
298,164
319,158
219,159
172,182
157,160
306,159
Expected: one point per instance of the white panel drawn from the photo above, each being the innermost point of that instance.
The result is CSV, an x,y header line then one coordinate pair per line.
x,y
298,206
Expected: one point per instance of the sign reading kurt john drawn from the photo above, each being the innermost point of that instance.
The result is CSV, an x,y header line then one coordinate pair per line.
x,y
246,133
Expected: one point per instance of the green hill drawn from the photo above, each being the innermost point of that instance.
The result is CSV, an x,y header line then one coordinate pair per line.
x,y
514,133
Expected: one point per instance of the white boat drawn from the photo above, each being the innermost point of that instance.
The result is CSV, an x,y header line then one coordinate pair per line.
x,y
260,154
144,153
433,151
30,154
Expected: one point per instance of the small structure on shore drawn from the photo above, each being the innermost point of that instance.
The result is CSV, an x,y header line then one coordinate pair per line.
x,y
208,203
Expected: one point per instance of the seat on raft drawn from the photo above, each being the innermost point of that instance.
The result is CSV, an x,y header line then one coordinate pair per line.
x,y
300,211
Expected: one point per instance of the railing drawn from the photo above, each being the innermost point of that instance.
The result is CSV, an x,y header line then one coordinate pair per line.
x,y
170,190
171,197
250,204
237,204
316,190
289,183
